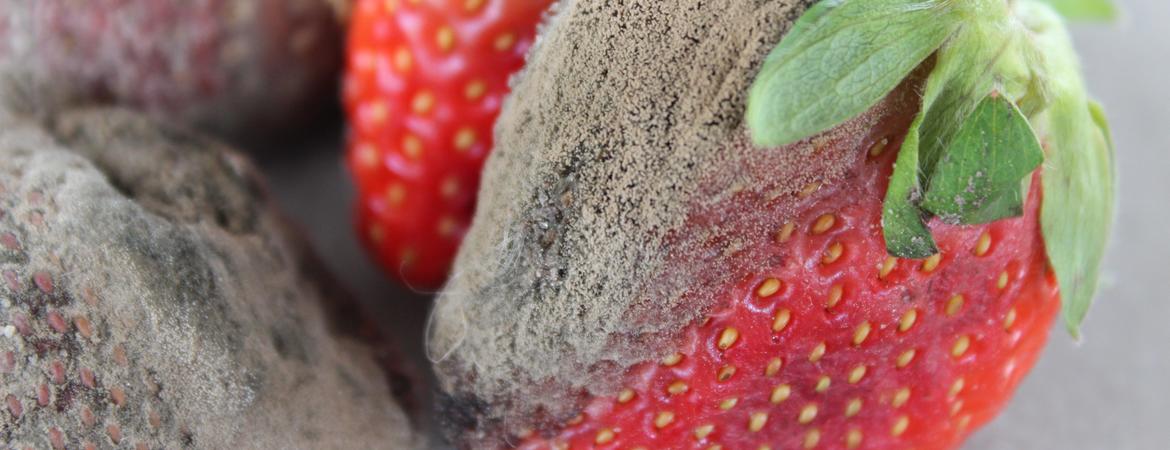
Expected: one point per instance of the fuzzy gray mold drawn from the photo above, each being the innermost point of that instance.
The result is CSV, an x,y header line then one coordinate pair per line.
x,y
628,119
150,297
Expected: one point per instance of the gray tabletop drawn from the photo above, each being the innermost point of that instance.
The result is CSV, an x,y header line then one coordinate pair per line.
x,y
1109,392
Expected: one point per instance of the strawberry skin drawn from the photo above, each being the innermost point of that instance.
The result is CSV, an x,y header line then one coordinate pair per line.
x,y
424,84
244,69
831,343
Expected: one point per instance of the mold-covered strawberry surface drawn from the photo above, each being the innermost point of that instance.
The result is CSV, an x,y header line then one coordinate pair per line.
x,y
825,341
241,68
1105,391
150,297
643,272
669,255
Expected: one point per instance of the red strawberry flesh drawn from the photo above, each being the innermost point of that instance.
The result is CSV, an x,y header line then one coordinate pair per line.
x,y
424,86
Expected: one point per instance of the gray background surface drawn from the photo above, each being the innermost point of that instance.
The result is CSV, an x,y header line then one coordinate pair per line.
x,y
1109,392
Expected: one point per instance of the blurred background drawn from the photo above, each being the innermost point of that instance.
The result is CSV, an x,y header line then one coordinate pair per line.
x,y
1111,391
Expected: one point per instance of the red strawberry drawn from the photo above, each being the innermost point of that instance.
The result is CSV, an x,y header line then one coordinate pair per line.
x,y
835,344
424,84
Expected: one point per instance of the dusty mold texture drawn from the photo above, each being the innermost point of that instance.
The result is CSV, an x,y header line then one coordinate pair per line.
x,y
150,297
585,258
238,68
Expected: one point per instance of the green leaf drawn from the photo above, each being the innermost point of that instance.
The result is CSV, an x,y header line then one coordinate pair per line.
x,y
1009,203
979,178
960,77
903,223
1102,121
1078,176
840,58
1078,205
963,76
1089,10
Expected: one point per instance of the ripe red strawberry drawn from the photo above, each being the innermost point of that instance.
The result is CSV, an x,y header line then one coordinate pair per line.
x,y
424,84
835,344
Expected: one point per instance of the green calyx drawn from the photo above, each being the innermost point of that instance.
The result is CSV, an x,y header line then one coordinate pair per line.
x,y
1004,79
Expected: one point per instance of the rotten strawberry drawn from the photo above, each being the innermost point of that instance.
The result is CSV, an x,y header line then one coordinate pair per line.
x,y
852,229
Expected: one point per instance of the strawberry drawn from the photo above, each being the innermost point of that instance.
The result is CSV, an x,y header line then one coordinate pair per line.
x,y
424,83
244,69
160,301
857,240
832,343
